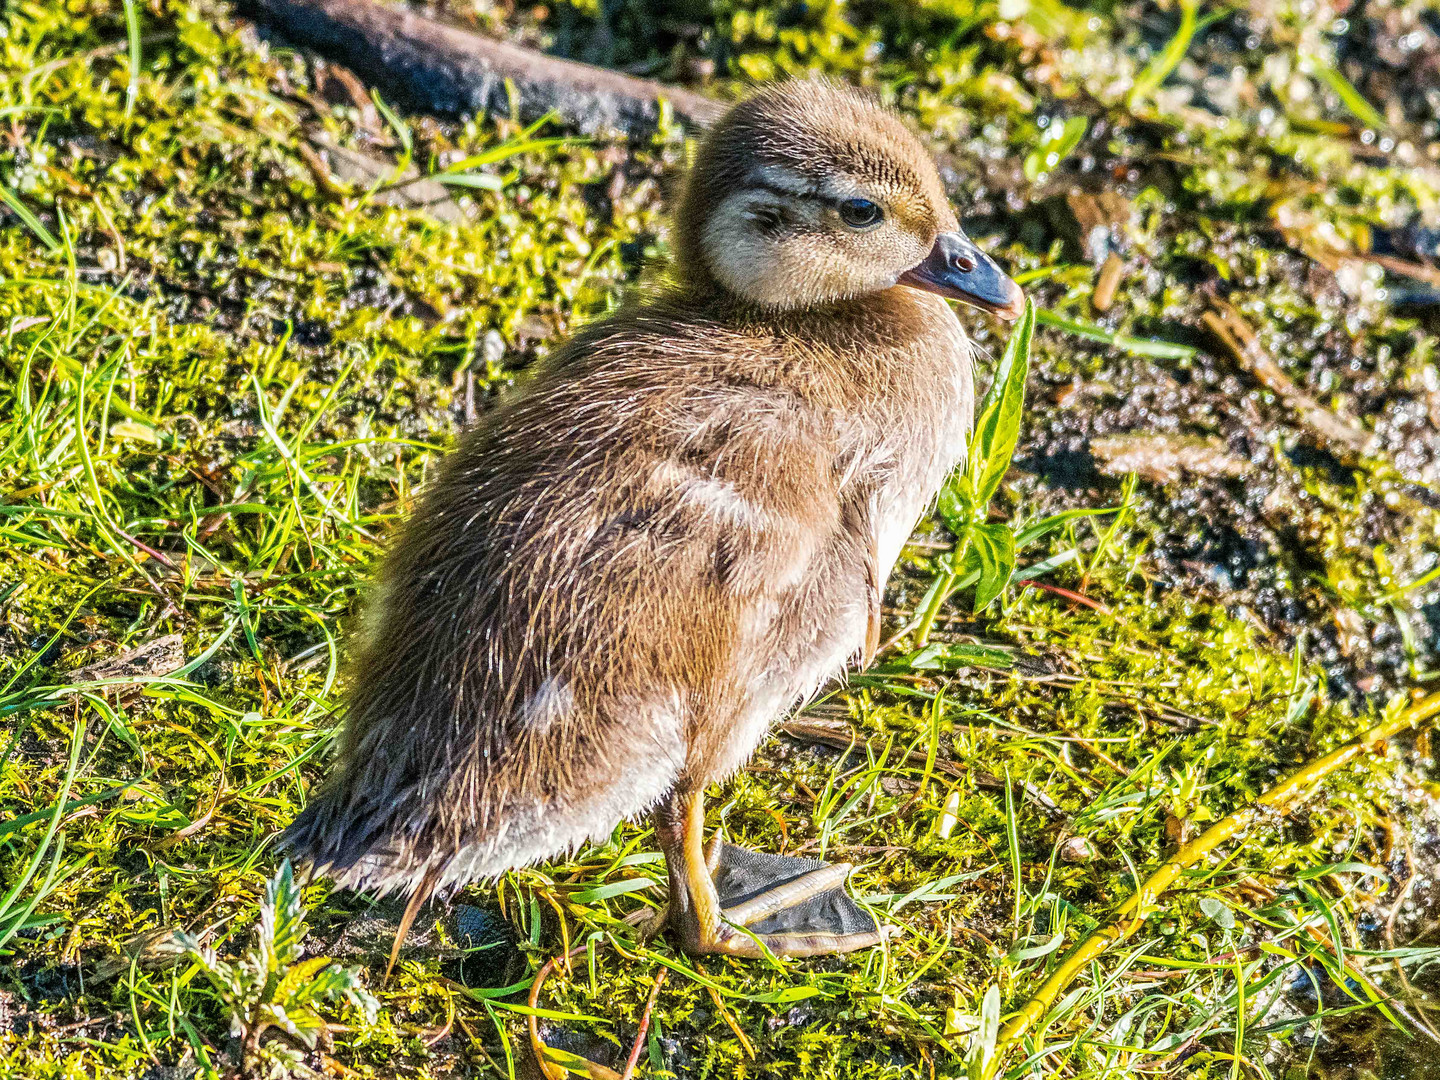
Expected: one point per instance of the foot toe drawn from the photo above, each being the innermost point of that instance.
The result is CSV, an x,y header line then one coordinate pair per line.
x,y
797,907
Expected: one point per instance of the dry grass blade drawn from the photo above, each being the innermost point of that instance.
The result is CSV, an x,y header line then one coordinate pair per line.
x,y
1133,912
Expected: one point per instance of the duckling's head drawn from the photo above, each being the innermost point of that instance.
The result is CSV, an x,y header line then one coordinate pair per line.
x,y
809,193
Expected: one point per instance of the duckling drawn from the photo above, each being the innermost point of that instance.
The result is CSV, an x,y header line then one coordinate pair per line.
x,y
675,532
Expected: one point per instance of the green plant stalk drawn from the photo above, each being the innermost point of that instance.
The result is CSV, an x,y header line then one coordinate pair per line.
x,y
1159,69
1133,912
942,593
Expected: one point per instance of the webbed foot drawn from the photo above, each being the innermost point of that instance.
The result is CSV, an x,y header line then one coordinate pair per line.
x,y
730,901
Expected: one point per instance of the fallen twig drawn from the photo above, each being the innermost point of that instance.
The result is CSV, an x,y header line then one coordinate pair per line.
x,y
431,67
154,659
1068,594
1166,459
1416,270
537,1044
1133,912
1240,341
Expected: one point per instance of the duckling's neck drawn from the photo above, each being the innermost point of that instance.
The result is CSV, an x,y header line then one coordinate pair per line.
x,y
884,318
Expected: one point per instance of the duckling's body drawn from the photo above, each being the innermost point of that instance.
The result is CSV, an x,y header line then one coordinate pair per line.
x,y
673,534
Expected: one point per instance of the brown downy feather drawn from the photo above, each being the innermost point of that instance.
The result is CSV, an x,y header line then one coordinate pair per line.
x,y
677,528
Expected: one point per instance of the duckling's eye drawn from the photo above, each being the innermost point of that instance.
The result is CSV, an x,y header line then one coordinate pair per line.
x,y
860,213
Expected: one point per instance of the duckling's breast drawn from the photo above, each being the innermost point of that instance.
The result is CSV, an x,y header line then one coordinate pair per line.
x,y
924,420
903,401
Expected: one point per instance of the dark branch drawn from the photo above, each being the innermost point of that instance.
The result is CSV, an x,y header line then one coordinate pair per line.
x,y
430,67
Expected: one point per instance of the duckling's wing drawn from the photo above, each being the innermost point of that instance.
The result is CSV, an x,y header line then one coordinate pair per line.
x,y
571,620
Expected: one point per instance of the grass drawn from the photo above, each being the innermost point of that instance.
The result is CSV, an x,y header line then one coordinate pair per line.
x,y
225,374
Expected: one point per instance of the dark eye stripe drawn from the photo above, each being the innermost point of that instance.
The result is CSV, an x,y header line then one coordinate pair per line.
x,y
784,193
848,207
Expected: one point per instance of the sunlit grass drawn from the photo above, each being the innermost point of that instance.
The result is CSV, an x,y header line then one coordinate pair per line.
x,y
222,385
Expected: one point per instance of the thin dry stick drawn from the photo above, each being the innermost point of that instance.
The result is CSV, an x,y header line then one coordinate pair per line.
x,y
1244,346
438,68
537,1044
1133,912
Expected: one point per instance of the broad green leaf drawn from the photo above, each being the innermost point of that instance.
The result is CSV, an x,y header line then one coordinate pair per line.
x,y
994,546
1002,371
1034,951
483,181
1045,566
282,919
1216,911
580,1066
952,655
952,506
982,1043
1056,144
298,975
999,426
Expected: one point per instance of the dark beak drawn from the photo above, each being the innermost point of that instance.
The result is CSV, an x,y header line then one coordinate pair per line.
x,y
957,269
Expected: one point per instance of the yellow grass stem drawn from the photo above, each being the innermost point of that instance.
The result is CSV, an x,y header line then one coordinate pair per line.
x,y
1133,912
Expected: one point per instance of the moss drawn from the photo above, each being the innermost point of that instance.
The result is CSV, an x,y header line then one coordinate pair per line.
x,y
203,266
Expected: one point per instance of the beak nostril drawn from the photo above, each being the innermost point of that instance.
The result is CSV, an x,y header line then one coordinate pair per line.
x,y
963,263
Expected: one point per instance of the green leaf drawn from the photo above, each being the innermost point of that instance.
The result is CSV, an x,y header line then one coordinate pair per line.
x,y
508,149
484,181
998,428
282,920
580,1066
950,656
300,981
614,888
1160,350
982,1044
994,546
1345,90
132,36
1216,911
952,506
1340,868
1045,566
1035,951
401,129
1056,144
1046,525
25,214
1168,59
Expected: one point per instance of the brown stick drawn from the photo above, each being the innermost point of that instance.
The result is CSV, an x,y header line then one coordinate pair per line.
x,y
1417,270
430,67
537,1044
